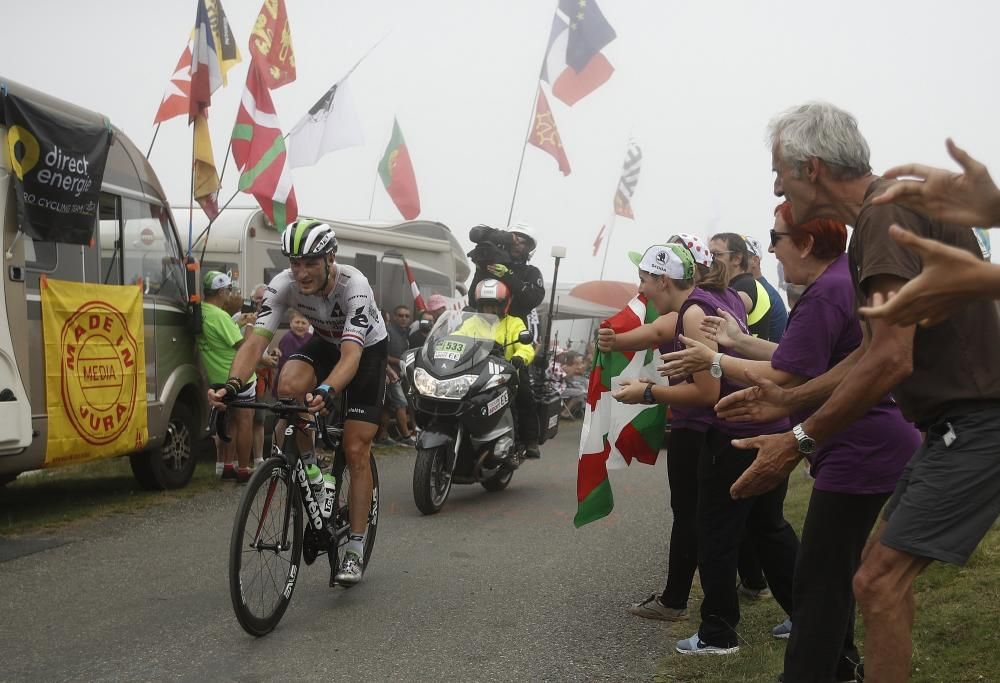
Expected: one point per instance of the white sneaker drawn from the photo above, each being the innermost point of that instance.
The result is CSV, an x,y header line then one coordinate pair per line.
x,y
351,570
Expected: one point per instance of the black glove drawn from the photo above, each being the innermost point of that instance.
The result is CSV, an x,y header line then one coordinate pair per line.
x,y
329,395
518,363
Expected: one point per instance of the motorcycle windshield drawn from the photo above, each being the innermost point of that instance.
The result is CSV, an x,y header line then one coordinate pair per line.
x,y
459,341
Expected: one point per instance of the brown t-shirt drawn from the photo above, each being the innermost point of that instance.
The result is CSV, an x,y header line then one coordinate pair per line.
x,y
955,364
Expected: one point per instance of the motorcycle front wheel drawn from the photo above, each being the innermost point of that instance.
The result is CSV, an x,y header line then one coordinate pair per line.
x,y
431,479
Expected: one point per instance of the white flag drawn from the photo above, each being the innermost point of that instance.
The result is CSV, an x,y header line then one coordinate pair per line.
x,y
331,124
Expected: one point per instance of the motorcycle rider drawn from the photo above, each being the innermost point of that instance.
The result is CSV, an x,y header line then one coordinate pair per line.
x,y
493,298
347,355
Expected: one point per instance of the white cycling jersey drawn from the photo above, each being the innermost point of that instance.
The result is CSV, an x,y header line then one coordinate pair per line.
x,y
349,312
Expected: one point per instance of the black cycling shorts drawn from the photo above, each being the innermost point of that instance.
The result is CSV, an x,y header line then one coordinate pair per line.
x,y
365,395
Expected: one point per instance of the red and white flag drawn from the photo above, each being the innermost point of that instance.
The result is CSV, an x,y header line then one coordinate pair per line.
x,y
178,92
574,65
418,300
260,154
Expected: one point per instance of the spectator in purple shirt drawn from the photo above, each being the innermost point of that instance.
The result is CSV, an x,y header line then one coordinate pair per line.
x,y
855,471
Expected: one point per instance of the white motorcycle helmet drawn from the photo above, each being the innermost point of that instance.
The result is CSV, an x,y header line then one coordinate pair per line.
x,y
527,232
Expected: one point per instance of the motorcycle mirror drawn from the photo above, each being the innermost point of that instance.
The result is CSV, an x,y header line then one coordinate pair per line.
x,y
424,325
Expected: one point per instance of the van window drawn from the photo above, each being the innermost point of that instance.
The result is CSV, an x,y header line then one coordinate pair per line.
x,y
150,250
39,256
109,237
173,281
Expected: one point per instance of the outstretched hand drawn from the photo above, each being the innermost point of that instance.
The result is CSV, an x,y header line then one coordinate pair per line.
x,y
764,401
949,278
695,358
777,456
969,198
724,331
630,391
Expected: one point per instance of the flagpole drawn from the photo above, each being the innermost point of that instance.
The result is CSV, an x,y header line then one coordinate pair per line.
x,y
531,124
607,243
151,142
520,165
191,198
371,204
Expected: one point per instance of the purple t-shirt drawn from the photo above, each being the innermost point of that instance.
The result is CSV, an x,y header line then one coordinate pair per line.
x,y
686,417
729,301
868,456
289,344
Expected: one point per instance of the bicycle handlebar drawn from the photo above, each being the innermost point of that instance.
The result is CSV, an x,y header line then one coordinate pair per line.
x,y
281,409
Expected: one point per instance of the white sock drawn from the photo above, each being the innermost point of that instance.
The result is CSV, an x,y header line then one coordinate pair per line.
x,y
218,469
356,544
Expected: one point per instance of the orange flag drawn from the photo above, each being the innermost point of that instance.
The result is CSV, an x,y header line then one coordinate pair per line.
x,y
545,135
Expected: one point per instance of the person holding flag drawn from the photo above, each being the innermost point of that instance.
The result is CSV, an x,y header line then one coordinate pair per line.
x,y
667,280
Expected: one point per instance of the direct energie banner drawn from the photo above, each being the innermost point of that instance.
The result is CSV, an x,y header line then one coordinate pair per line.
x,y
95,371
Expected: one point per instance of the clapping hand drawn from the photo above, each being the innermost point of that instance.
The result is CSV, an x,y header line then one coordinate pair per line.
x,y
695,358
777,456
763,402
724,331
630,391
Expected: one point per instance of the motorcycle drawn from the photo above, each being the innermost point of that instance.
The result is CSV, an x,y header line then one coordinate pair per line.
x,y
461,390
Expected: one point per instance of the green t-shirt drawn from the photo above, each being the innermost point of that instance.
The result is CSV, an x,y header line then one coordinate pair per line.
x,y
217,343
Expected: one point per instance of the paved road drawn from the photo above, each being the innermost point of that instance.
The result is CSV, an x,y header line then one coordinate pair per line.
x,y
497,587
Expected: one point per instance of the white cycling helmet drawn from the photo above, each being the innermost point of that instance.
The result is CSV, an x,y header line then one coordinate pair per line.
x,y
525,231
308,237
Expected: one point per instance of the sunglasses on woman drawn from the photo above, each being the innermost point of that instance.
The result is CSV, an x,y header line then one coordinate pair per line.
x,y
775,236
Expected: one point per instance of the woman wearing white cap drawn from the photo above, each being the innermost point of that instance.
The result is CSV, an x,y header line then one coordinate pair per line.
x,y
666,275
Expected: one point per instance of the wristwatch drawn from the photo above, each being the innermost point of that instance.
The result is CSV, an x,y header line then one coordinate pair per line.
x,y
647,396
806,443
716,369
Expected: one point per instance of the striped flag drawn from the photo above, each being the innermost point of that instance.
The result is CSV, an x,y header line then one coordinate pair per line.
x,y
206,71
259,152
574,65
418,300
628,181
614,434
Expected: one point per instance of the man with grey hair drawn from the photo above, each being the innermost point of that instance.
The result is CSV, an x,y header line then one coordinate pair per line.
x,y
945,378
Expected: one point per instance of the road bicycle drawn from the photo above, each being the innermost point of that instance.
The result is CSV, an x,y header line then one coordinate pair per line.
x,y
279,520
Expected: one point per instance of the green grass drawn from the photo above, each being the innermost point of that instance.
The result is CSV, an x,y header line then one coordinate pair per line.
x,y
44,501
956,637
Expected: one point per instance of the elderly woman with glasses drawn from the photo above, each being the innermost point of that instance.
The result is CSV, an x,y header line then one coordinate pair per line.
x,y
854,472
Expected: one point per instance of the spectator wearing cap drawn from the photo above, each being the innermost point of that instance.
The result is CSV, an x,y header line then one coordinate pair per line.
x,y
217,344
667,279
779,313
436,305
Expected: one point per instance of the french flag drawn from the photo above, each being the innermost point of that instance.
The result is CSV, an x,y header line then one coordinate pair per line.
x,y
574,66
206,72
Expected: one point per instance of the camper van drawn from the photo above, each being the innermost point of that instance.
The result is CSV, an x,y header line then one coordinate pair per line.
x,y
245,244
134,243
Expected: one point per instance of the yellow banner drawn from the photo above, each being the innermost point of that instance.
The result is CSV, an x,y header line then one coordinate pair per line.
x,y
95,371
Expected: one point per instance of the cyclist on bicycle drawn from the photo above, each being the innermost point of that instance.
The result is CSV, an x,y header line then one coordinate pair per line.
x,y
347,355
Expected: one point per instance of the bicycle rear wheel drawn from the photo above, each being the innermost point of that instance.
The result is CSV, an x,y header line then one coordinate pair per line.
x,y
342,474
265,548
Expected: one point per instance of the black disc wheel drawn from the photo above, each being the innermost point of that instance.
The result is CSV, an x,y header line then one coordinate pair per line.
x,y
342,475
265,548
431,479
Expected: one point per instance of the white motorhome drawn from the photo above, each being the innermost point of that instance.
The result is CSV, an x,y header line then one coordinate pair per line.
x,y
244,243
135,238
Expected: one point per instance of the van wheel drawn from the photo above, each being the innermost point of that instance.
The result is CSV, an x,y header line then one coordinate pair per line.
x,y
171,465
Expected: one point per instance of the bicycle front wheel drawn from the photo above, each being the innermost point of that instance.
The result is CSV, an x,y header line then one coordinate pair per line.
x,y
265,548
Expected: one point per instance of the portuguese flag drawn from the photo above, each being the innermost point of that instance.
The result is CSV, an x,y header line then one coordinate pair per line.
x,y
396,170
614,434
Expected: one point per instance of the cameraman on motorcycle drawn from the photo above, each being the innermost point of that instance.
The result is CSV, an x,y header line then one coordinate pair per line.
x,y
503,255
493,298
